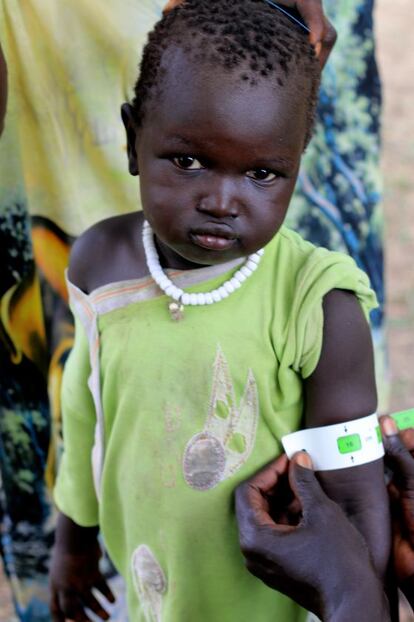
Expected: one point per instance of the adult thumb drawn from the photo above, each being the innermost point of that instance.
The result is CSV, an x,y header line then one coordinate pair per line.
x,y
303,481
398,455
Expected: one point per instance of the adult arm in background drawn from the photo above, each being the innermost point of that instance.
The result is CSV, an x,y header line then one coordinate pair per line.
x,y
299,542
3,89
400,458
322,33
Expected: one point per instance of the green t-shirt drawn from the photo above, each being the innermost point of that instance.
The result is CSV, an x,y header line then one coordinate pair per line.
x,y
180,412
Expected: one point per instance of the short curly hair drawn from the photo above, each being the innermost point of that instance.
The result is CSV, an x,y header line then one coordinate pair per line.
x,y
245,36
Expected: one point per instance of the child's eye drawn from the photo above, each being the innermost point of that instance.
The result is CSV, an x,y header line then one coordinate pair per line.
x,y
188,163
261,174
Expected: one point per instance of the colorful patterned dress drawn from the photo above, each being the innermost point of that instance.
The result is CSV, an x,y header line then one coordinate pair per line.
x,y
63,166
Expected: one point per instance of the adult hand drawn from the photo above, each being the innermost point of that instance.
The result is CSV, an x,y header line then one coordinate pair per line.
x,y
400,457
3,89
322,33
299,542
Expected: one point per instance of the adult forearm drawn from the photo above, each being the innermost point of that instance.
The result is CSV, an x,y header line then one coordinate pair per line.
x,y
3,89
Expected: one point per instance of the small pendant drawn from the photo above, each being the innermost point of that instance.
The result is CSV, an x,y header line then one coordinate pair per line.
x,y
176,310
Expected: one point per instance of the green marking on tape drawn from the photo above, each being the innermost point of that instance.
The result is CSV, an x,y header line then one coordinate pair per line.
x,y
348,444
404,419
379,435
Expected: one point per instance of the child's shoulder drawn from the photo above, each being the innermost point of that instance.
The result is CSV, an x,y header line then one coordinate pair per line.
x,y
107,252
292,253
293,243
300,254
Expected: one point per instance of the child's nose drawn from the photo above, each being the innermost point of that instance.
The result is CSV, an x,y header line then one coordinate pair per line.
x,y
220,199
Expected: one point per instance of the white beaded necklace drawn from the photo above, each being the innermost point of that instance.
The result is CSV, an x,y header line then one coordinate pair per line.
x,y
179,296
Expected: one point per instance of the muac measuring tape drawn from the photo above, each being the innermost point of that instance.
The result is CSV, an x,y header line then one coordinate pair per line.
x,y
344,445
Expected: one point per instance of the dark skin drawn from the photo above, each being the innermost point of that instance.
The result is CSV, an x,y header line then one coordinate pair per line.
x,y
285,517
77,554
299,542
400,459
3,89
322,34
234,195
212,177
216,182
347,365
125,231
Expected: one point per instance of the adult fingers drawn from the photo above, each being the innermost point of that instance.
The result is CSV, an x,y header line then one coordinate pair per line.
x,y
267,478
402,464
398,454
312,13
322,33
171,4
302,480
252,495
407,437
325,47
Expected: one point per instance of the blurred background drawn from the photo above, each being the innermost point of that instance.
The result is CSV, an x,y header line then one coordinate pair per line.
x,y
396,59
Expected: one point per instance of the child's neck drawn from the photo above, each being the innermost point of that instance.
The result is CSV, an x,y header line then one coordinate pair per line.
x,y
169,259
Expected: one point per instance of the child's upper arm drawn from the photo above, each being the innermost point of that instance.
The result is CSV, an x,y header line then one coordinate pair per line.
x,y
74,492
85,256
108,252
342,388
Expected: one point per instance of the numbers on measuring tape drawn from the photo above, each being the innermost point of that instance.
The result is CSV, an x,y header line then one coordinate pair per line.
x,y
349,444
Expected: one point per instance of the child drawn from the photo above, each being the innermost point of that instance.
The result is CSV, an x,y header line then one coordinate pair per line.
x,y
197,371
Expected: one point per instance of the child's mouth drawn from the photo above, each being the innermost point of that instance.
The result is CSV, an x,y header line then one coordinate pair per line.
x,y
214,236
212,242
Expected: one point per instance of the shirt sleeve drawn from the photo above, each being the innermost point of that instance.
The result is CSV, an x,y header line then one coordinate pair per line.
x,y
74,493
322,272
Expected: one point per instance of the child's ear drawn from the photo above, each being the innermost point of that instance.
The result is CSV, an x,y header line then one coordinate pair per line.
x,y
131,136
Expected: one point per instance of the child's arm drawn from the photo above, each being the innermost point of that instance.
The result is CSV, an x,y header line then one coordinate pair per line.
x,y
74,572
342,388
400,457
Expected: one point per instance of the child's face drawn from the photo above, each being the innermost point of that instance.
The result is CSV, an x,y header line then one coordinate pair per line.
x,y
218,161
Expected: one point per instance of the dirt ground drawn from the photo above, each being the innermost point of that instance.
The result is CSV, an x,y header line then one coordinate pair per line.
x,y
396,58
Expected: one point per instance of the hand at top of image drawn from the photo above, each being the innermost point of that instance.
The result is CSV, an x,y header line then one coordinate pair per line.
x,y
322,33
